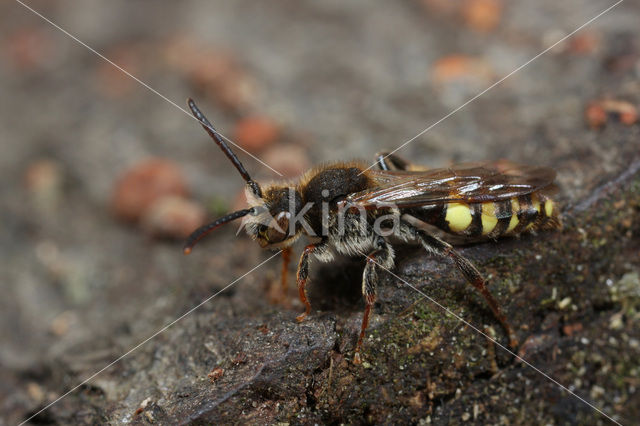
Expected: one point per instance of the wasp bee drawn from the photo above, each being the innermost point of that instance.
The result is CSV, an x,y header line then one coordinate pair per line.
x,y
351,209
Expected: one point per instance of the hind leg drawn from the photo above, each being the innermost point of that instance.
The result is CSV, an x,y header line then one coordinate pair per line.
x,y
438,247
381,255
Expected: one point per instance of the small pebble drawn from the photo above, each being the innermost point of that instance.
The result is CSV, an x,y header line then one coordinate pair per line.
x,y
142,406
28,48
212,70
597,392
584,43
173,217
61,323
564,303
570,329
290,160
110,81
256,133
44,179
35,392
454,68
598,112
215,374
595,115
533,343
482,15
615,321
143,184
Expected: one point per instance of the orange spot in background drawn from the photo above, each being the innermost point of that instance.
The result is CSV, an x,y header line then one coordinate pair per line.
x,y
460,67
482,15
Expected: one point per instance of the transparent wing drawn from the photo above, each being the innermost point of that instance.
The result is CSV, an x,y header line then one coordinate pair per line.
x,y
470,183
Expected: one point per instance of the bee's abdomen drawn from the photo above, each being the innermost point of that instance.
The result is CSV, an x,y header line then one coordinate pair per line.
x,y
493,219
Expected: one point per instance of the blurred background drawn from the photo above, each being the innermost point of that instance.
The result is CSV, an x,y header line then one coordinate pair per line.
x,y
101,178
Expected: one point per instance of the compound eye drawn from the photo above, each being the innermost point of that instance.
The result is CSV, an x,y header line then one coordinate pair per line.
x,y
278,229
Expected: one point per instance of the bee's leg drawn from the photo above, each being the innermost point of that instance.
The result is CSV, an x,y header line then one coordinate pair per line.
x,y
303,275
382,255
437,246
286,258
388,161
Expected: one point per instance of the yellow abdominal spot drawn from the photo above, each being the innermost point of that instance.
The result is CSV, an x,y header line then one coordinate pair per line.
x,y
548,207
458,216
515,207
489,219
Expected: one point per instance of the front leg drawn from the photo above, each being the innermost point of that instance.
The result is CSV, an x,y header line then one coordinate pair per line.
x,y
303,274
286,258
382,255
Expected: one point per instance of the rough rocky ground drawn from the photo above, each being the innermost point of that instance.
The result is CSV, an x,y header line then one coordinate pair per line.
x,y
80,288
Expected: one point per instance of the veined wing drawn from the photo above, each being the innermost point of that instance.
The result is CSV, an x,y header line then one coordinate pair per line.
x,y
469,183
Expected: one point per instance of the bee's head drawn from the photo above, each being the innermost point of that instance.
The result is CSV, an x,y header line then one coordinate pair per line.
x,y
271,222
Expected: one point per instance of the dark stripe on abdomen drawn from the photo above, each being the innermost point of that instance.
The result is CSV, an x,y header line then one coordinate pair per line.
x,y
502,211
475,227
527,214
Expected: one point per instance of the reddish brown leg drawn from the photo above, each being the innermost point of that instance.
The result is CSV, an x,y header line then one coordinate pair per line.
x,y
363,328
471,274
382,256
286,259
302,275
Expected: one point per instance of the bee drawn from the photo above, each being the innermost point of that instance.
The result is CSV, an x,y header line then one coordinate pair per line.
x,y
351,209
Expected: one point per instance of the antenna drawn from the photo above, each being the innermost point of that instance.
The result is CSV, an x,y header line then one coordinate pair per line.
x,y
199,233
224,147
